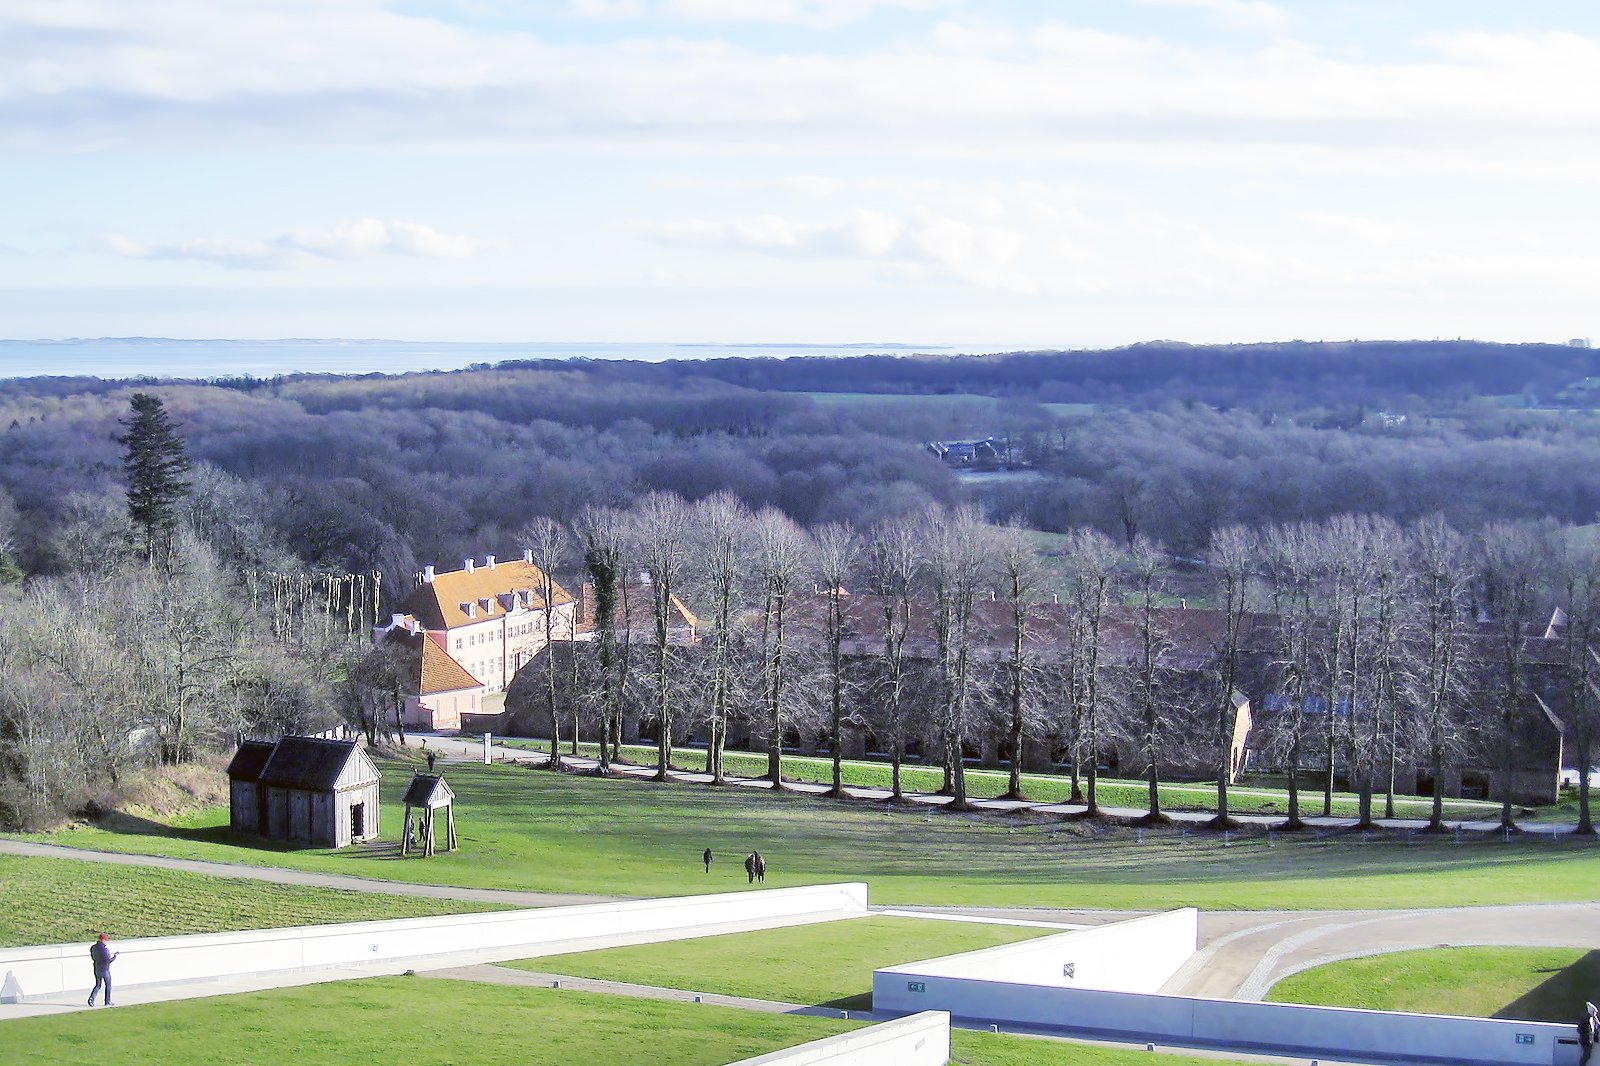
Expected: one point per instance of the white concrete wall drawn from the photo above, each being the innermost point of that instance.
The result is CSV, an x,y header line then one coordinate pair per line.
x,y
1281,1027
56,968
920,1040
1139,955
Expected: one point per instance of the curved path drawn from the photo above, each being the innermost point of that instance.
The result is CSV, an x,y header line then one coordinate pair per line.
x,y
282,876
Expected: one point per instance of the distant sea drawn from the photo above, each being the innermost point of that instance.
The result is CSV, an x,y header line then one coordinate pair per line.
x,y
133,357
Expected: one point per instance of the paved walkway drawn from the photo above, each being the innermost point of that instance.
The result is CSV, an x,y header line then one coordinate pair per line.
x,y
282,876
455,748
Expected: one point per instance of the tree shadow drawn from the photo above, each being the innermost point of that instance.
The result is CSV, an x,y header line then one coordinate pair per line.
x,y
1560,997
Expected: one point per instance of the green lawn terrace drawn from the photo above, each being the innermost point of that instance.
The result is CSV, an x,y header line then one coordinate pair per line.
x,y
1525,983
828,964
468,1023
58,901
1042,788
529,829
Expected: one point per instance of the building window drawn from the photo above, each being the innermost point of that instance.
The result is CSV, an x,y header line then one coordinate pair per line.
x,y
458,644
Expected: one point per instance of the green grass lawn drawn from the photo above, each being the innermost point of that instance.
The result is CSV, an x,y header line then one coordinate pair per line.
x,y
54,901
530,829
1045,788
461,1023
829,964
1529,984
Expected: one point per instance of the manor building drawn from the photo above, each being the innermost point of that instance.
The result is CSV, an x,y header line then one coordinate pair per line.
x,y
469,631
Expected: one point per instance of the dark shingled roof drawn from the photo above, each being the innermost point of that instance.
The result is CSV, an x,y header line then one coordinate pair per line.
x,y
308,763
428,790
249,760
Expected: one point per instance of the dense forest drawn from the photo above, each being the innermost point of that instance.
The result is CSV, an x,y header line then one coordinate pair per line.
x,y
312,501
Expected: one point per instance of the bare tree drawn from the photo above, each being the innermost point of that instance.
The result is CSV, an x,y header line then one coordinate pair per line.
x,y
1092,576
1290,558
548,544
782,560
723,526
662,540
1513,556
838,551
956,566
602,534
1021,577
1578,628
1150,670
1231,559
893,561
1437,681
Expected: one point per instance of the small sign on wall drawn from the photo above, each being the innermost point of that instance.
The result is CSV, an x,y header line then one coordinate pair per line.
x,y
916,986
1524,1038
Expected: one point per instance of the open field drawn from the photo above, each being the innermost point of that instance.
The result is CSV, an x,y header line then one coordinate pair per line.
x,y
422,1020
1531,984
1044,788
53,901
534,830
829,964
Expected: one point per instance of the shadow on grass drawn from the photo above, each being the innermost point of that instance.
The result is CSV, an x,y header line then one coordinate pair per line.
x,y
860,1001
1560,997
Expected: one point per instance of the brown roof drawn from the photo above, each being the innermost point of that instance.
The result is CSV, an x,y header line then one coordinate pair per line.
x,y
440,671
311,763
641,612
428,790
249,759
438,604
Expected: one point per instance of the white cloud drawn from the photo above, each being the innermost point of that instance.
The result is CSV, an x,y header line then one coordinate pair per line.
x,y
365,238
817,14
1255,15
93,75
915,247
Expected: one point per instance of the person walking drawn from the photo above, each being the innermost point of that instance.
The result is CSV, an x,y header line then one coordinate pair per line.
x,y
750,867
430,758
761,868
1588,1031
706,858
102,956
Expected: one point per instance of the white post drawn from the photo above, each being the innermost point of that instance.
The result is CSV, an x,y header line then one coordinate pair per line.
x,y
486,740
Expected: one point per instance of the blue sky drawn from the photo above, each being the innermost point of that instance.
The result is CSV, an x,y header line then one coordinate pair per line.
x,y
1079,172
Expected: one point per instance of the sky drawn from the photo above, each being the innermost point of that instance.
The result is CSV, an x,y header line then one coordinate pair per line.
x,y
967,172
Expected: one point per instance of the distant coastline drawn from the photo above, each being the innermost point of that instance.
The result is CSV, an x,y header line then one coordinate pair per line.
x,y
139,357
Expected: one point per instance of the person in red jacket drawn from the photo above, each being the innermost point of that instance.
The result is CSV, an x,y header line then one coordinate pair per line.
x,y
102,956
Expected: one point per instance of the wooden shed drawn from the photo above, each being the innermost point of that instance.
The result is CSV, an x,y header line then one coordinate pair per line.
x,y
247,800
306,789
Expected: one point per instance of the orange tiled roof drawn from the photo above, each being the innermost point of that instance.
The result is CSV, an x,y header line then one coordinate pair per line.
x,y
438,604
440,671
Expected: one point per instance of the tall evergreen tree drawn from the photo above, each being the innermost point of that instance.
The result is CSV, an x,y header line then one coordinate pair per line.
x,y
155,464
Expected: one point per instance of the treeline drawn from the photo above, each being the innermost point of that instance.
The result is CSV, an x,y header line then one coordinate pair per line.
x,y
1373,653
386,474
1284,375
1178,474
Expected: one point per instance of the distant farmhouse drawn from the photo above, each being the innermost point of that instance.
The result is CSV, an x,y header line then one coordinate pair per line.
x,y
468,632
985,452
304,789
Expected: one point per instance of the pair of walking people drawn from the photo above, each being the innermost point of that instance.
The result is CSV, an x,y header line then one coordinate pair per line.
x,y
755,867
1588,1032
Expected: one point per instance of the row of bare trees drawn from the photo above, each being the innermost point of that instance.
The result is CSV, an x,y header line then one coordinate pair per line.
x,y
1374,654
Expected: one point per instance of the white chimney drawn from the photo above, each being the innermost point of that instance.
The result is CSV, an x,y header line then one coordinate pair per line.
x,y
397,621
488,560
472,567
427,573
527,556
416,627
